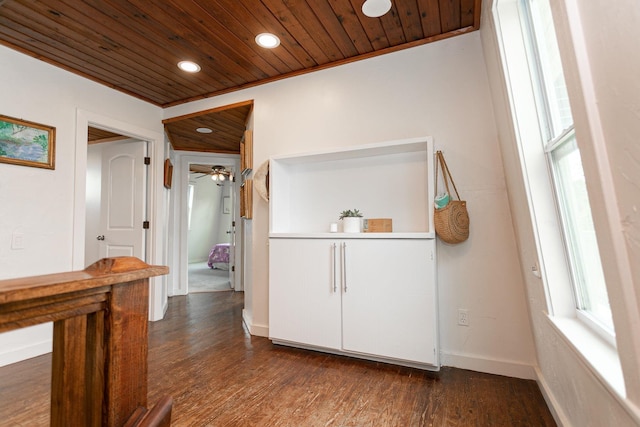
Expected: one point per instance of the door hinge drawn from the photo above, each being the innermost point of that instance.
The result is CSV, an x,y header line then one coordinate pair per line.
x,y
147,160
233,223
145,225
233,268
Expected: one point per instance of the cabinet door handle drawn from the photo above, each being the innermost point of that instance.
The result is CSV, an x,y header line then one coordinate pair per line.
x,y
333,268
344,266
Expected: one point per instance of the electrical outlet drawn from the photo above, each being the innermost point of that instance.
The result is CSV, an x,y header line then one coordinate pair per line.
x,y
463,317
17,240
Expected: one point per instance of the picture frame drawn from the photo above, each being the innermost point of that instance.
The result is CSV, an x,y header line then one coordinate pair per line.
x,y
168,174
226,205
246,201
27,143
246,153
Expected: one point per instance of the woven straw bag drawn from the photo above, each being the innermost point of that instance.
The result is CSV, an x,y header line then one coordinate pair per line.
x,y
451,221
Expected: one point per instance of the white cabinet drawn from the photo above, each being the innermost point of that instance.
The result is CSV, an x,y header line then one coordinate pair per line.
x,y
373,298
389,300
304,293
370,295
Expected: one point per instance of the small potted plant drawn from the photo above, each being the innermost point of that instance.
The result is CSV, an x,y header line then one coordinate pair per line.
x,y
351,221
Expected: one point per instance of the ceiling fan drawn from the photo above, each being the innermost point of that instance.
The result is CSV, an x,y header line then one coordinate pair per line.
x,y
217,173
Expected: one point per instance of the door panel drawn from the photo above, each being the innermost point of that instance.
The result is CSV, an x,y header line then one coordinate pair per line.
x,y
232,251
390,300
123,200
304,295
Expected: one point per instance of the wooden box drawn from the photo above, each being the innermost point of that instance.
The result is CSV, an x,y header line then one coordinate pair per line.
x,y
377,225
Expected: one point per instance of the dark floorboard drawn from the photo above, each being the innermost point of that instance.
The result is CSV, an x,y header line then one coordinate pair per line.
x,y
219,375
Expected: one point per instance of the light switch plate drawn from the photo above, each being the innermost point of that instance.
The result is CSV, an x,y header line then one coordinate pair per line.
x,y
17,241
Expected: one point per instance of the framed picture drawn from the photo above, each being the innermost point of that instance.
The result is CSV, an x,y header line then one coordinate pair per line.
x,y
168,173
27,143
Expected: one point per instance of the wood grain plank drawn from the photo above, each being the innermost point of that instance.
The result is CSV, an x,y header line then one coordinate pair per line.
x,y
351,23
467,15
95,362
69,387
410,17
430,16
297,33
372,27
303,24
393,27
257,22
232,21
209,34
333,27
449,15
263,20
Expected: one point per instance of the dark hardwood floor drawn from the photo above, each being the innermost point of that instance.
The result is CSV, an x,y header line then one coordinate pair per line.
x,y
219,375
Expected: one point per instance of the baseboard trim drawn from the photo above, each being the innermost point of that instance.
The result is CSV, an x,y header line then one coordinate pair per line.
x,y
23,353
400,362
257,330
555,409
490,366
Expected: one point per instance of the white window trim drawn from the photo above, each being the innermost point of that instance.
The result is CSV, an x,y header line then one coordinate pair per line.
x,y
597,354
600,355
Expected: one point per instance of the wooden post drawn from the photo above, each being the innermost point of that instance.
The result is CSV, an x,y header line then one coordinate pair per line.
x,y
100,315
127,349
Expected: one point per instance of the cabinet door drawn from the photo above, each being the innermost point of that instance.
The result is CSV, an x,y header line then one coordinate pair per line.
x,y
389,304
304,297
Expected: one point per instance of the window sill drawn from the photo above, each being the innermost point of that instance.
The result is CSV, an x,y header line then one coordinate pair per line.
x,y
596,353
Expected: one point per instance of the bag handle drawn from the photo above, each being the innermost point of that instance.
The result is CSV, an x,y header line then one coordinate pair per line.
x,y
445,173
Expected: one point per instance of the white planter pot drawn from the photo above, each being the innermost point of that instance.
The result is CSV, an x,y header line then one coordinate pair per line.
x,y
351,225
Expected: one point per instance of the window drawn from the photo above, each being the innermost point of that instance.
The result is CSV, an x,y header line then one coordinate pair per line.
x,y
190,204
563,158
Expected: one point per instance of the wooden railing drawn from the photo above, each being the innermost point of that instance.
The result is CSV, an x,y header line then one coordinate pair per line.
x,y
100,324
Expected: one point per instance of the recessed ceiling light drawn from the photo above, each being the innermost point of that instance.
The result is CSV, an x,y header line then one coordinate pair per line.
x,y
376,8
204,130
267,40
189,66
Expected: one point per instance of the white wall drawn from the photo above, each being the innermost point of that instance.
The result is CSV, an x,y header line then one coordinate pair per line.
x,y
206,217
40,203
441,90
599,45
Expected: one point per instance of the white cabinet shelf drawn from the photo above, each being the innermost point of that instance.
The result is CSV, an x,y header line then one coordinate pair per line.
x,y
369,295
387,180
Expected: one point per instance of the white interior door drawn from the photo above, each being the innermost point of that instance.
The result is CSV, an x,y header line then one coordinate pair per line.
x,y
232,249
123,200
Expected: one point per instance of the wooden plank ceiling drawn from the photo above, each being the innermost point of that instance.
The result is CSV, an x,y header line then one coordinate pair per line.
x,y
134,45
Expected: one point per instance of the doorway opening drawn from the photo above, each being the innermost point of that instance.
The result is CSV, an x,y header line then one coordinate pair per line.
x,y
220,227
155,199
210,228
